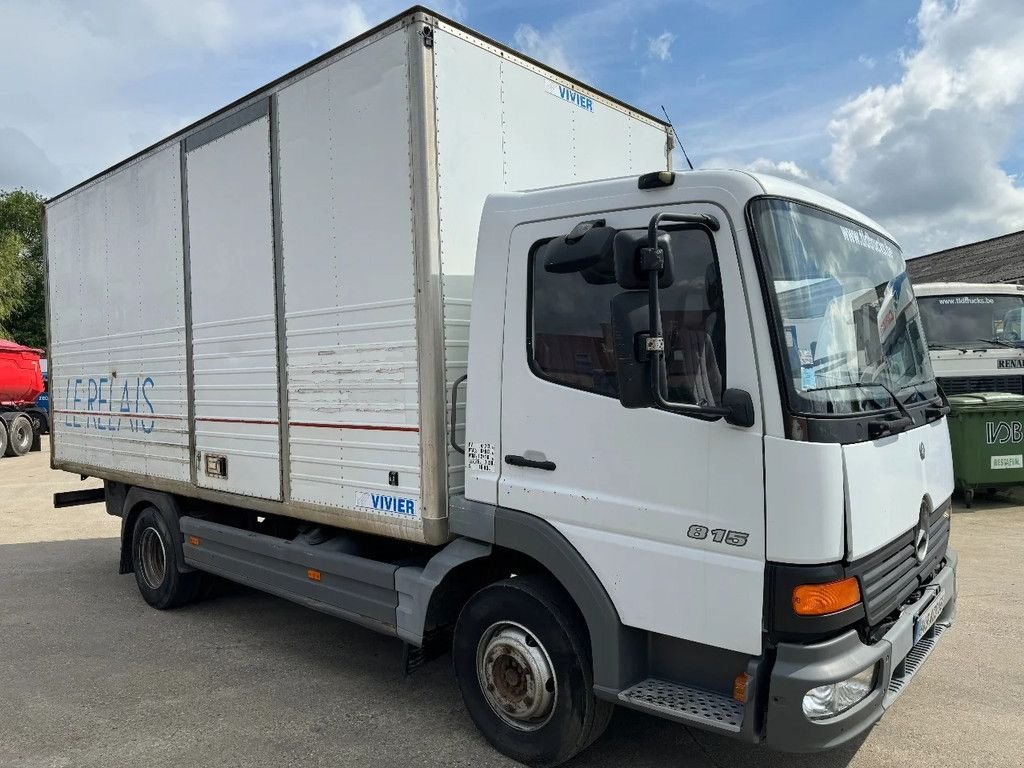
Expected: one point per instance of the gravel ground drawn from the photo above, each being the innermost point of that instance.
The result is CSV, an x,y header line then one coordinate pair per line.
x,y
91,676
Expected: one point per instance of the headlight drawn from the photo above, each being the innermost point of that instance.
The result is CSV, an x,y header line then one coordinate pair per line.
x,y
835,698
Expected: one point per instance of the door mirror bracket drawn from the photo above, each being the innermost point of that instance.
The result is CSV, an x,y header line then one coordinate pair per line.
x,y
647,347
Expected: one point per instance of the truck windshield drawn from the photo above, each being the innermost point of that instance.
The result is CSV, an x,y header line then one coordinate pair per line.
x,y
844,309
972,320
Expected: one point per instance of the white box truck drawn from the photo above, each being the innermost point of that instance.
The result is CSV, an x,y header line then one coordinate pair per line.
x,y
974,332
699,467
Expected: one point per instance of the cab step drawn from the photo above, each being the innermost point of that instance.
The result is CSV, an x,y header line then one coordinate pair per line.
x,y
685,704
907,668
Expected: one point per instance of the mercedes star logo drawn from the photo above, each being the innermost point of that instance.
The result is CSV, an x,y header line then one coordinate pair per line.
x,y
921,538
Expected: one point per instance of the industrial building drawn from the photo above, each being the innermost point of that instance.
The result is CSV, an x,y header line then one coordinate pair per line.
x,y
996,260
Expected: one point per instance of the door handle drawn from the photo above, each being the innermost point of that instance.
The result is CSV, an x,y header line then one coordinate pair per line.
x,y
522,461
455,405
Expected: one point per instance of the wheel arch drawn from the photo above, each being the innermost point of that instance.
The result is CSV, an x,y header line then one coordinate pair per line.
x,y
523,543
617,651
138,499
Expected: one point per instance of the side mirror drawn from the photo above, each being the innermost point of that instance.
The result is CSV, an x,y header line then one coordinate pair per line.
x,y
630,330
740,406
583,249
634,367
628,268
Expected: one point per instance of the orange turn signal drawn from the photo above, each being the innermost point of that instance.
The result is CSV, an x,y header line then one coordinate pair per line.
x,y
739,687
313,574
821,599
194,541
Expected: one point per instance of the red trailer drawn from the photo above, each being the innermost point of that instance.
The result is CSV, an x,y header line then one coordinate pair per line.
x,y
21,383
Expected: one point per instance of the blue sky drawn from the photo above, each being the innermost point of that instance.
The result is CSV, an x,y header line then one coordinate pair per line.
x,y
908,109
740,78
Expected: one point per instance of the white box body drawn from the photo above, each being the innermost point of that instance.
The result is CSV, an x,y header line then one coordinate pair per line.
x,y
269,308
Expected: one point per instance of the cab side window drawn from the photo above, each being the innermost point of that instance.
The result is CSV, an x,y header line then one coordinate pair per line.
x,y
570,336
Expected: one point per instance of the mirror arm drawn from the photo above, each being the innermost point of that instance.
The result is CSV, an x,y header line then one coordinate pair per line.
x,y
656,350
701,219
658,358
652,262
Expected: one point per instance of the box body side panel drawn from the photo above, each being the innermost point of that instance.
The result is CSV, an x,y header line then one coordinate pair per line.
x,y
234,338
349,286
117,361
352,146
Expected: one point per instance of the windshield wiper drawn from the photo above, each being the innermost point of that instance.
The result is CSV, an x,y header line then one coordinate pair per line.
x,y
1001,343
931,411
882,427
961,348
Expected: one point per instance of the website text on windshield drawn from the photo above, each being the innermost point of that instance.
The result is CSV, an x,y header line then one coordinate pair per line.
x,y
972,321
851,333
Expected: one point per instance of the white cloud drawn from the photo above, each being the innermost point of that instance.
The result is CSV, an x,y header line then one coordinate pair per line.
x,y
548,48
785,168
457,10
660,47
924,155
88,83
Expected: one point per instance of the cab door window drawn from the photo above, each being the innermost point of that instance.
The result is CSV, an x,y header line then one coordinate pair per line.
x,y
570,336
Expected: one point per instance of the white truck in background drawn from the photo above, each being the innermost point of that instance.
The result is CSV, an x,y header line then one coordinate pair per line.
x,y
975,335
696,469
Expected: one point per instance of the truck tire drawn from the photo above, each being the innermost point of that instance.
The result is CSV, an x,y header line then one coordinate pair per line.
x,y
155,561
522,659
19,435
3,438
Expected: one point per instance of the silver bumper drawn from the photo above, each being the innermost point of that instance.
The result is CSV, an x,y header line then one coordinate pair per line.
x,y
798,668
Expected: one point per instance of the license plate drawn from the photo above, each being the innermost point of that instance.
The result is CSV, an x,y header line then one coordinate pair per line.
x,y
924,620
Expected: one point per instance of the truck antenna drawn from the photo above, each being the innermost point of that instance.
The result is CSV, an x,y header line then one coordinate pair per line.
x,y
676,134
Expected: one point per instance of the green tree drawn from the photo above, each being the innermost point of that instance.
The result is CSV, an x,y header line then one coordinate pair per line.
x,y
12,280
22,282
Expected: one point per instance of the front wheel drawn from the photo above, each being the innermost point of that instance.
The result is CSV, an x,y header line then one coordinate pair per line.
x,y
522,658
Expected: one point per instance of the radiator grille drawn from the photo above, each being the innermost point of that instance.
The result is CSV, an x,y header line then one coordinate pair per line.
x,y
965,385
890,576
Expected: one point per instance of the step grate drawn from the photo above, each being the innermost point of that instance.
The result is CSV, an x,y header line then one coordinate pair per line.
x,y
685,703
907,668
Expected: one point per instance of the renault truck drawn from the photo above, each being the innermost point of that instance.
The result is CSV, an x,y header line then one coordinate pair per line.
x,y
975,332
429,336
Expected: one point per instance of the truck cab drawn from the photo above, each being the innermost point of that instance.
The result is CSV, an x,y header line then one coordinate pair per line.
x,y
737,434
974,333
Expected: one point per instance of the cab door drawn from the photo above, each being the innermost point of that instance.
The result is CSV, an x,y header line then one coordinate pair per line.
x,y
667,509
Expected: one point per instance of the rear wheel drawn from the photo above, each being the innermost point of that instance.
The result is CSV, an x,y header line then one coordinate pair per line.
x,y
155,560
19,436
522,659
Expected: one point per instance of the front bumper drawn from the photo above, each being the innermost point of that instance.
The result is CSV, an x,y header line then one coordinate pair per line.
x,y
798,668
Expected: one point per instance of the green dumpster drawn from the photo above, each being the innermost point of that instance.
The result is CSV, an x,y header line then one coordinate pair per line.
x,y
987,434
